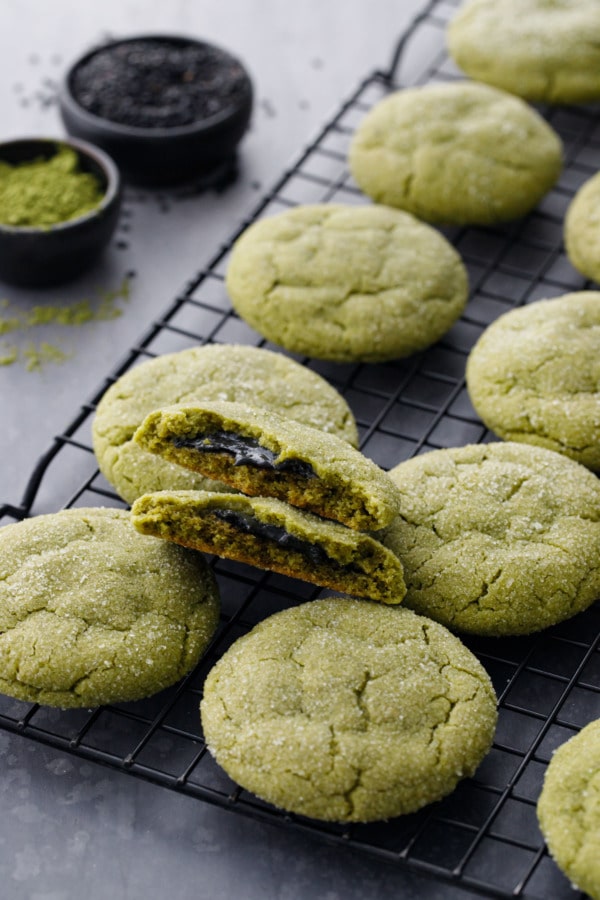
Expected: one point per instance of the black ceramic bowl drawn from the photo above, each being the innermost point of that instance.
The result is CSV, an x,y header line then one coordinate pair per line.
x,y
155,149
38,257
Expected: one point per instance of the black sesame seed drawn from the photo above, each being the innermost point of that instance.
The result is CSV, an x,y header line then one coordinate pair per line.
x,y
158,83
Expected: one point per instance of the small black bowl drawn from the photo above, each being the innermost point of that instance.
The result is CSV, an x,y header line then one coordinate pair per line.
x,y
39,257
153,153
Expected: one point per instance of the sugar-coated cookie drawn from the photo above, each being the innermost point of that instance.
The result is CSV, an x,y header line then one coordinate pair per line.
x,y
211,372
497,539
542,50
348,711
569,809
347,283
582,229
534,375
92,612
461,153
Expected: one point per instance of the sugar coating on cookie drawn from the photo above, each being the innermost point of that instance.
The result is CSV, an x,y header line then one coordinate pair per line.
x,y
461,153
542,50
211,372
92,612
348,711
582,229
534,376
260,452
272,535
569,809
497,539
347,283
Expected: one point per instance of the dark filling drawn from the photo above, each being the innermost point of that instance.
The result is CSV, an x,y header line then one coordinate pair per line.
x,y
245,452
250,525
157,83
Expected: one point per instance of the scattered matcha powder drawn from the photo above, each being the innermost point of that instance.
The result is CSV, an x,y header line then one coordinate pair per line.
x,y
37,357
8,356
44,192
104,308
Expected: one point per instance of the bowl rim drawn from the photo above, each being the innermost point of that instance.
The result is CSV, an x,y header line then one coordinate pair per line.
x,y
69,102
85,148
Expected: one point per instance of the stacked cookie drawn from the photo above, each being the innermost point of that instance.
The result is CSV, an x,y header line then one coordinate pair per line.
x,y
310,501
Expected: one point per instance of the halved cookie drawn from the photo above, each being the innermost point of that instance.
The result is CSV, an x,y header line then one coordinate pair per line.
x,y
262,453
272,535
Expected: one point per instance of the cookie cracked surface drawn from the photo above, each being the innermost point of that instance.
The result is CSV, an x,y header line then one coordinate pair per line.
x,y
497,539
92,612
347,711
260,452
347,283
542,50
211,372
461,153
534,376
569,808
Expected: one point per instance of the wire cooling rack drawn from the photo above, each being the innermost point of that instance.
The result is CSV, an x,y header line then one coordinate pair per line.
x,y
484,836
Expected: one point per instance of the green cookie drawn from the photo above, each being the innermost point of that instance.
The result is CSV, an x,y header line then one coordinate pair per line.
x,y
259,452
92,612
461,153
347,283
497,539
211,372
270,534
534,376
543,50
582,229
347,711
569,809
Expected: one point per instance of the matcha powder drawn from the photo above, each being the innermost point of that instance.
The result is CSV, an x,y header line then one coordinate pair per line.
x,y
46,192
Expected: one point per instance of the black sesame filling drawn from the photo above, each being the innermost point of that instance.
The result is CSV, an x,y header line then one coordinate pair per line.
x,y
251,525
245,452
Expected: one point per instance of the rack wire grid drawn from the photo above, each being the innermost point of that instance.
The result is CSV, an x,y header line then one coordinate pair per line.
x,y
485,835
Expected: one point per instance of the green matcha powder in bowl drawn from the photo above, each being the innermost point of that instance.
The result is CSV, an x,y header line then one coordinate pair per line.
x,y
59,206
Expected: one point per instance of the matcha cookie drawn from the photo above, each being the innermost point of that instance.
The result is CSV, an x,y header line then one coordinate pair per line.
x,y
347,711
211,372
459,153
497,539
543,50
569,809
270,534
347,283
91,612
582,229
534,376
259,452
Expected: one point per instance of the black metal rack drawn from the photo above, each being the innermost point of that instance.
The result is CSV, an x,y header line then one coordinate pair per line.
x,y
484,836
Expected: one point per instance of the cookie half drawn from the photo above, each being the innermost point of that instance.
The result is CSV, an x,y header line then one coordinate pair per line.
x,y
274,536
347,283
540,50
211,372
582,229
534,376
347,711
261,453
461,153
569,809
497,539
92,612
